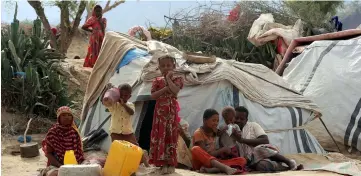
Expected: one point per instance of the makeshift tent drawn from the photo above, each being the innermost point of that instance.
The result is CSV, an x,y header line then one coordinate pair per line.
x,y
304,41
329,72
282,112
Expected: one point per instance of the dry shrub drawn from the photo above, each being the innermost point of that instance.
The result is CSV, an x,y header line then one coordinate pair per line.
x,y
206,28
16,125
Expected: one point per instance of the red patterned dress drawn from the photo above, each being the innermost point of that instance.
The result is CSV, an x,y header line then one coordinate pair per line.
x,y
164,135
95,40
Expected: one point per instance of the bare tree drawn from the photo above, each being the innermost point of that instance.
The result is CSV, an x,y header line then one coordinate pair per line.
x,y
107,7
67,28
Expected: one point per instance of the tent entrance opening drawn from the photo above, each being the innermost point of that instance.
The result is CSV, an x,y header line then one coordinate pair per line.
x,y
146,128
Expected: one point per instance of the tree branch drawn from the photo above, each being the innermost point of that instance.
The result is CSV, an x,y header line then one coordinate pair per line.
x,y
39,10
77,19
88,11
108,8
107,5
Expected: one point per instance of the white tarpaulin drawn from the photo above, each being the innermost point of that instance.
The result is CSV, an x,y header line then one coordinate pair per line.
x,y
278,122
329,72
282,112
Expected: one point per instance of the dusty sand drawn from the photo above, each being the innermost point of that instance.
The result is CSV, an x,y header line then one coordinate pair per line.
x,y
15,165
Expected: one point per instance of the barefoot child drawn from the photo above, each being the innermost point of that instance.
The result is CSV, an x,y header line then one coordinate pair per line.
x,y
164,135
254,145
121,121
205,154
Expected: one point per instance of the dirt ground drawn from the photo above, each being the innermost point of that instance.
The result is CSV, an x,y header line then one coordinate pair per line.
x,y
15,165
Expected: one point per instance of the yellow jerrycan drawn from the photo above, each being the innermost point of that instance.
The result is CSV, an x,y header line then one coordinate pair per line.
x,y
69,158
123,159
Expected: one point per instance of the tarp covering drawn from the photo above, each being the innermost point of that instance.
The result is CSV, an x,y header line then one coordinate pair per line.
x,y
255,81
307,40
113,49
329,72
264,29
278,122
281,111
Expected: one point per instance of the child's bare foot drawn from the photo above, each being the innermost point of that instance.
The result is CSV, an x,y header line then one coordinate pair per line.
x,y
202,170
300,167
145,159
230,171
292,165
171,169
209,170
164,170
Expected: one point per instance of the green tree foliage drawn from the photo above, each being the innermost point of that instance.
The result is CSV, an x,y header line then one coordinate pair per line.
x,y
314,13
349,8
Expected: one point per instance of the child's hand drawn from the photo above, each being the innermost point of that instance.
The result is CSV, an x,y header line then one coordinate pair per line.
x,y
169,75
107,101
226,150
121,101
166,89
180,129
223,130
109,86
236,134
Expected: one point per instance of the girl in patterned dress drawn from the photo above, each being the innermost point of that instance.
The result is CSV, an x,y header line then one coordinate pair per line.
x,y
164,135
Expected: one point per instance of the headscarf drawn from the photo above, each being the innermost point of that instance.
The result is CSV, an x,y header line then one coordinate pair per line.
x,y
62,138
54,31
90,22
93,11
66,109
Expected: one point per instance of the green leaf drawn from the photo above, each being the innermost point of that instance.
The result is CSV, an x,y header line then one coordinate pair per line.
x,y
15,57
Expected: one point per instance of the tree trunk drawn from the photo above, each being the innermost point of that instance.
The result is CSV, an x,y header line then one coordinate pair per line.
x,y
69,30
40,12
74,28
64,25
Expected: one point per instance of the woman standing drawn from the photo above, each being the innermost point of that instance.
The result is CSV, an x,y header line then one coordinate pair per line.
x,y
96,25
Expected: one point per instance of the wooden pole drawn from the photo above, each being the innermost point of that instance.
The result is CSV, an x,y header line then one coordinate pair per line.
x,y
31,149
334,141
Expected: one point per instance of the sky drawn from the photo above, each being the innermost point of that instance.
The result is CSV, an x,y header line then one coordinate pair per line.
x,y
120,19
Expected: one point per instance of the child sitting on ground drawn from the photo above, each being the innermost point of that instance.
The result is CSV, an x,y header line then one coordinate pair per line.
x,y
121,121
225,139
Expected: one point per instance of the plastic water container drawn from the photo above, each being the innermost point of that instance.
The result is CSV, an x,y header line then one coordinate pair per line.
x,y
80,170
69,158
123,159
112,94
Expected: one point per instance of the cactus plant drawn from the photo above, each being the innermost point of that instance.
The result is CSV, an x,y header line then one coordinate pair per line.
x,y
29,83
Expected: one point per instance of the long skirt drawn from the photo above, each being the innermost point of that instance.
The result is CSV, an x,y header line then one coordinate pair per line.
x,y
164,135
